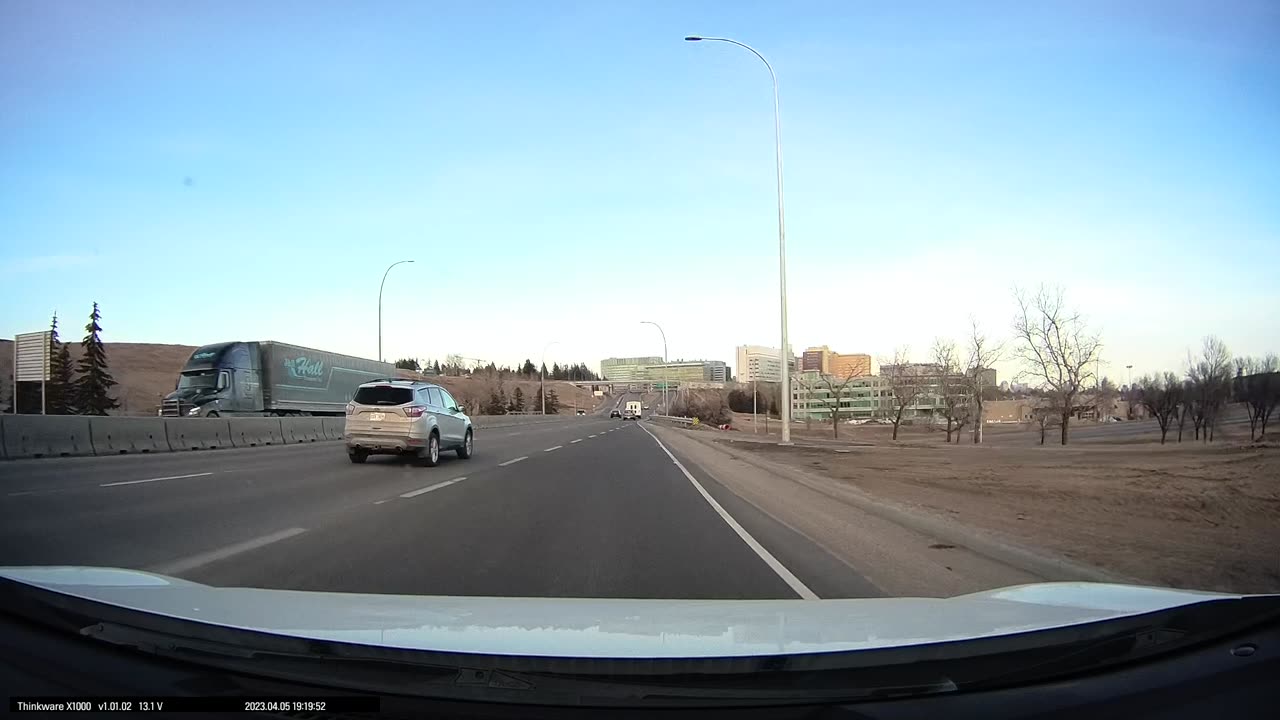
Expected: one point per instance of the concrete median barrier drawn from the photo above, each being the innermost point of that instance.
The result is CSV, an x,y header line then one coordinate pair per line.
x,y
37,436
333,427
254,432
302,429
197,433
120,435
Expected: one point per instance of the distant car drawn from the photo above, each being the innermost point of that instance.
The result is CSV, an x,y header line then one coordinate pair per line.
x,y
628,415
584,412
406,417
646,407
615,413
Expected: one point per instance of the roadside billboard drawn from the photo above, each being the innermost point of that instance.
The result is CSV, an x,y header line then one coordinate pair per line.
x,y
31,357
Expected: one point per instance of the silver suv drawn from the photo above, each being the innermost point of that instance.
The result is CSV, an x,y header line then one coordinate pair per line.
x,y
393,417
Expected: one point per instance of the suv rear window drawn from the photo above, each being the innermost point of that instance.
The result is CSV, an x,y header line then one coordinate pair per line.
x,y
383,395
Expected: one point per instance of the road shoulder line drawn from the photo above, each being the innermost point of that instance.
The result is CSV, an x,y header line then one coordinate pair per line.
x,y
778,568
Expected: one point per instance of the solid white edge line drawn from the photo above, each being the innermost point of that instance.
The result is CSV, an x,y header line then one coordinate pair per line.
x,y
787,576
553,447
171,477
575,441
429,488
195,561
513,461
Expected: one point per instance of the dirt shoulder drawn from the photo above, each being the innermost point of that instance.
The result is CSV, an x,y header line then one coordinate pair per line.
x,y
1191,516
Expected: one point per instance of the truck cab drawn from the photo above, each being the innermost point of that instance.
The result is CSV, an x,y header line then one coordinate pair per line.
x,y
219,379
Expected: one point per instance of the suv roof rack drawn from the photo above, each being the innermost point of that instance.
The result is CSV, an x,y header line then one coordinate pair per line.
x,y
387,380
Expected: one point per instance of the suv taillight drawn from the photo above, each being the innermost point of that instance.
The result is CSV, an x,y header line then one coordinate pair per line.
x,y
350,408
414,411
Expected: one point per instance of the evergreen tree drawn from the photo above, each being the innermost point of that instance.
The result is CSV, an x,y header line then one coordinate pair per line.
x,y
408,364
528,370
95,381
435,365
517,400
495,406
553,402
60,390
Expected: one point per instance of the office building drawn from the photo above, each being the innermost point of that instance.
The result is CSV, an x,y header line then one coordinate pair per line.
x,y
852,365
824,360
816,359
627,369
757,363
687,371
986,377
814,397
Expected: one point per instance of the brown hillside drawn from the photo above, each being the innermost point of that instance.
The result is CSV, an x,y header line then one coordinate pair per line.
x,y
147,371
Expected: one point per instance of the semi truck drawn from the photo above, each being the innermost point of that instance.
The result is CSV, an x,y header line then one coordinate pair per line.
x,y
268,378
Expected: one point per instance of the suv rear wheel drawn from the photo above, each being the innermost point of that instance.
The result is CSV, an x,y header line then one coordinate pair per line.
x,y
358,456
430,455
464,451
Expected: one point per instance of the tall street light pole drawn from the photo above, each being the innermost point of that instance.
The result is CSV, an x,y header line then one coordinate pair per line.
x,y
665,410
782,235
543,370
383,284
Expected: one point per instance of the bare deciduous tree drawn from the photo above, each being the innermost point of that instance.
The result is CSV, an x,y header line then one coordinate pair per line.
x,y
1161,395
1044,416
1056,348
905,384
953,388
983,353
1257,385
1210,378
835,387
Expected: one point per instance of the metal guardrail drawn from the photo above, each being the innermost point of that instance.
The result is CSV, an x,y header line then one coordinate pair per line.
x,y
673,418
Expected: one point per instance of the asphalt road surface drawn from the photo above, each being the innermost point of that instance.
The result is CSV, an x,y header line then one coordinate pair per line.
x,y
589,507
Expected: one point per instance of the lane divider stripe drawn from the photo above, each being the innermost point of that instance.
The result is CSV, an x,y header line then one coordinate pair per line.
x,y
429,488
149,480
195,561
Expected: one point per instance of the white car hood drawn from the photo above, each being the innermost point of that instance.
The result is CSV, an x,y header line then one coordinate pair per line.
x,y
607,628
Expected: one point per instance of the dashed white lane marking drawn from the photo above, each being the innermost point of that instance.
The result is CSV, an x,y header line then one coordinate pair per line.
x,y
195,561
429,488
591,436
553,447
513,461
575,441
148,480
787,576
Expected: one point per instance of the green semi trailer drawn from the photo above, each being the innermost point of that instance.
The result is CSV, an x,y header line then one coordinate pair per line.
x,y
268,378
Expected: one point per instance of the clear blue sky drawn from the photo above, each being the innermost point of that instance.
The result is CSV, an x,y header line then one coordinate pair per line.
x,y
239,170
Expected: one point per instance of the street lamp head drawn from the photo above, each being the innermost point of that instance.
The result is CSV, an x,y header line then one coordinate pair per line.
x,y
692,38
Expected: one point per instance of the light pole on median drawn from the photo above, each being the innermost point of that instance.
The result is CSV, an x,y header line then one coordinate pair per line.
x,y
383,284
665,410
782,234
543,371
